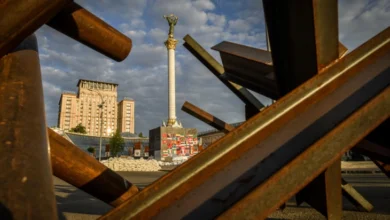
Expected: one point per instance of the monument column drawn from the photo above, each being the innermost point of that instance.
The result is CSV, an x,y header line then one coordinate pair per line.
x,y
170,43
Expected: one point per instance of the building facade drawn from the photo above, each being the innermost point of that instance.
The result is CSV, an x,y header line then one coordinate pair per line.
x,y
86,108
126,115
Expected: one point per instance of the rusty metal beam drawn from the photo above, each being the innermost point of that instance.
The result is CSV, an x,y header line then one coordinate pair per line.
x,y
373,150
230,168
250,112
20,19
79,169
252,67
385,167
324,192
301,45
380,135
342,50
26,185
81,25
320,22
206,117
248,66
355,197
204,57
320,156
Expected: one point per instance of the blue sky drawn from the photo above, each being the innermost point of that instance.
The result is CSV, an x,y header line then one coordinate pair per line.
x,y
143,75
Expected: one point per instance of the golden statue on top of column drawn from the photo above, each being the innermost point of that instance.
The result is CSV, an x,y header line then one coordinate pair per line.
x,y
172,20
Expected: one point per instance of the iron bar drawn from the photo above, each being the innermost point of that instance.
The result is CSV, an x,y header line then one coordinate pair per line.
x,y
204,57
206,117
373,150
79,169
81,25
355,198
214,180
19,19
314,160
385,167
324,192
319,19
249,67
295,40
26,185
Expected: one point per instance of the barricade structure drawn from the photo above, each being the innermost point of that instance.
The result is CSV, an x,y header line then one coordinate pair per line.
x,y
327,102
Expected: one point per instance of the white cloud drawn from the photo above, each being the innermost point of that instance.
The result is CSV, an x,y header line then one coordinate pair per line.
x,y
239,25
203,4
217,20
158,35
137,36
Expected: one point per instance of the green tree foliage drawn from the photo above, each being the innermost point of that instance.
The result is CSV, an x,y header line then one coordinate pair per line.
x,y
79,129
140,135
117,144
91,150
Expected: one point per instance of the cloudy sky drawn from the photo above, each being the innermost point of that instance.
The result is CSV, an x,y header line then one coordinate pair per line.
x,y
143,75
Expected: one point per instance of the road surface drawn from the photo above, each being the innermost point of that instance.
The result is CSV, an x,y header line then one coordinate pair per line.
x,y
74,204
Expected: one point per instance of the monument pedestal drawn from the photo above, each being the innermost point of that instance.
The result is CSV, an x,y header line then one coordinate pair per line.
x,y
166,143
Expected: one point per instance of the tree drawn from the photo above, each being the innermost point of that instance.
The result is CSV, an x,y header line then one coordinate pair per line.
x,y
117,143
140,135
91,150
79,129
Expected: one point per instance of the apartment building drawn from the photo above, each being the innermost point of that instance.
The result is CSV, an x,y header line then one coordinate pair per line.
x,y
95,106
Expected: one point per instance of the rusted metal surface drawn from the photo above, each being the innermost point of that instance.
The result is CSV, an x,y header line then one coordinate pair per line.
x,y
252,67
355,197
206,117
380,135
250,111
373,150
385,167
204,57
20,19
319,19
230,168
301,45
342,50
26,185
249,67
79,169
304,168
324,192
81,25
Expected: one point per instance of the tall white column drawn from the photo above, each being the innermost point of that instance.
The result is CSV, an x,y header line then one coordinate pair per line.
x,y
171,82
171,46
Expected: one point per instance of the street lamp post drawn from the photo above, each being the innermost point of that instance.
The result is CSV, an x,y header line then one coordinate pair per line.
x,y
101,122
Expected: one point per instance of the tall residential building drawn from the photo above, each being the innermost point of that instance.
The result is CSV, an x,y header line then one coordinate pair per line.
x,y
126,115
83,108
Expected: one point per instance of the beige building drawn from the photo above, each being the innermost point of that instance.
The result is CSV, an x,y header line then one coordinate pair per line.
x,y
84,108
126,115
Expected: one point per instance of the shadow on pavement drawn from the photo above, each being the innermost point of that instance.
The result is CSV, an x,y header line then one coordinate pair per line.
x,y
72,200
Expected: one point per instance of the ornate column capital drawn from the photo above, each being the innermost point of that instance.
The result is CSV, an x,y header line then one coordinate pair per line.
x,y
170,43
